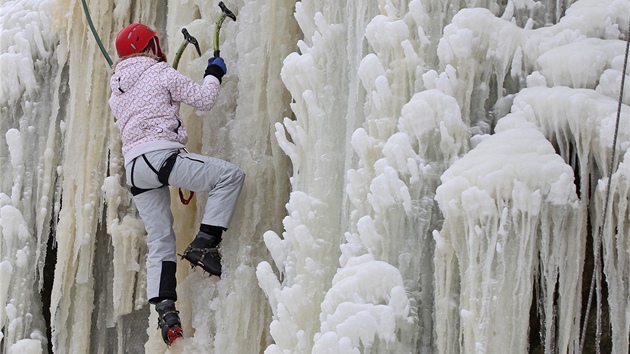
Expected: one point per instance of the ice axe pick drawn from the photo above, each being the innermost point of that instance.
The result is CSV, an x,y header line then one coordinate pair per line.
x,y
225,12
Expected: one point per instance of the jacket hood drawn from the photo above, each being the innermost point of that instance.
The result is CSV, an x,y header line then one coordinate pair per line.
x,y
128,71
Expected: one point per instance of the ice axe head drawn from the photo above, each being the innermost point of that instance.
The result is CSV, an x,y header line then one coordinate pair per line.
x,y
192,40
225,12
187,39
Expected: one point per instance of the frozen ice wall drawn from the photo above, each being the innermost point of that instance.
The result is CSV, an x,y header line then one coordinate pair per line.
x,y
422,176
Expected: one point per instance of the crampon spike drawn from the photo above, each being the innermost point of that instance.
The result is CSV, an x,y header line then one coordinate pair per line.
x,y
173,333
198,264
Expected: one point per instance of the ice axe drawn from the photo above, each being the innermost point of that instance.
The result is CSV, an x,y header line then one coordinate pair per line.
x,y
225,12
187,39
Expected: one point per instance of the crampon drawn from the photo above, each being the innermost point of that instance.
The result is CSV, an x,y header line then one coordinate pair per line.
x,y
170,334
209,259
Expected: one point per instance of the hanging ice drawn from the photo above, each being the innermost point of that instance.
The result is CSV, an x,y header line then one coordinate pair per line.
x,y
506,205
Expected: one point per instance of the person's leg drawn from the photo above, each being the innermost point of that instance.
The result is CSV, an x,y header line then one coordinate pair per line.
x,y
154,207
153,202
223,182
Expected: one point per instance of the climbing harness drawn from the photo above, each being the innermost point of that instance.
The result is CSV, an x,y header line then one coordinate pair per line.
x,y
598,242
163,173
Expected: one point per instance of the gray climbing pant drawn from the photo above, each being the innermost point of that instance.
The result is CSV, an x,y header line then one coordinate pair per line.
x,y
222,181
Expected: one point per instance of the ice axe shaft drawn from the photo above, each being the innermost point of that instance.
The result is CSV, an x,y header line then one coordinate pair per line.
x,y
225,12
192,40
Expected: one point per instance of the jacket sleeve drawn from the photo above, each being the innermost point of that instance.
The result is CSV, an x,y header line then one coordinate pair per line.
x,y
184,89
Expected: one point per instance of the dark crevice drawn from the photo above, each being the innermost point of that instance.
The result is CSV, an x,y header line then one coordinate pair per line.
x,y
590,266
49,276
535,341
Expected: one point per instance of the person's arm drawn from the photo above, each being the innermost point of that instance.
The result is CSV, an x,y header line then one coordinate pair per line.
x,y
202,97
184,89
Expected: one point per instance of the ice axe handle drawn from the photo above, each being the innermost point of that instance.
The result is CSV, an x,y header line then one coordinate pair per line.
x,y
217,53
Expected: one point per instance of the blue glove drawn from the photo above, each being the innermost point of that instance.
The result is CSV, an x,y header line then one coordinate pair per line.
x,y
216,67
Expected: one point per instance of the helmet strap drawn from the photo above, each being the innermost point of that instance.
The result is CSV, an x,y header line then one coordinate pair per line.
x,y
151,47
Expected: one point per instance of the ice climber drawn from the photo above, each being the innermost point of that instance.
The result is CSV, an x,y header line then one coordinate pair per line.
x,y
145,100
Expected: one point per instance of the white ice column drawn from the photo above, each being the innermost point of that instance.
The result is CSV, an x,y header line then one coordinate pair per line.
x,y
506,203
581,122
316,146
616,243
29,143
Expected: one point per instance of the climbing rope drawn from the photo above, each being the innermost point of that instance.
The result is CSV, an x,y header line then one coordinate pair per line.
x,y
598,242
98,39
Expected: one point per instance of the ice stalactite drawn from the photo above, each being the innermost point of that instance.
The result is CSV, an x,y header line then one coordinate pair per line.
x,y
392,191
482,47
128,241
400,160
493,56
409,137
298,256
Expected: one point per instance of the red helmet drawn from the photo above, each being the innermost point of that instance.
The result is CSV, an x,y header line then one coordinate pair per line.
x,y
135,38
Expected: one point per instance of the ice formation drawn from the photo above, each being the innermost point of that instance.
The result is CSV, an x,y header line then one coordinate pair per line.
x,y
422,176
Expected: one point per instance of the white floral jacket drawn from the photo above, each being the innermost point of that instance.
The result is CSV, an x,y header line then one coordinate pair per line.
x,y
145,100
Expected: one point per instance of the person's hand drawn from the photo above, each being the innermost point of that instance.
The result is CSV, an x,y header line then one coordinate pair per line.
x,y
216,67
